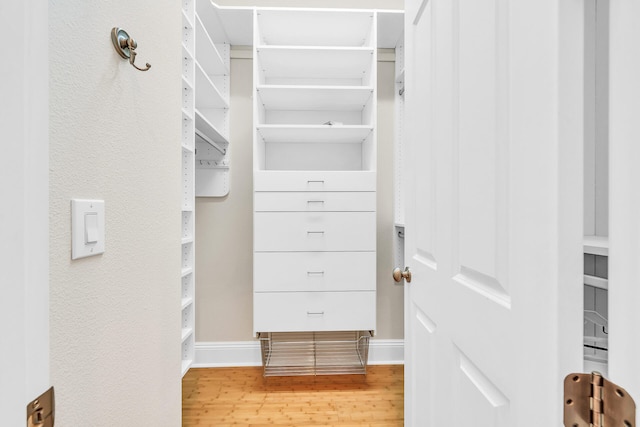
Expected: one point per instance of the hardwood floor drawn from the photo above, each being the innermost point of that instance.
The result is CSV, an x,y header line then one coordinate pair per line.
x,y
223,397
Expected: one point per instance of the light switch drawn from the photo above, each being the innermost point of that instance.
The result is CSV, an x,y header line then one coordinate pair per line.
x,y
90,227
87,228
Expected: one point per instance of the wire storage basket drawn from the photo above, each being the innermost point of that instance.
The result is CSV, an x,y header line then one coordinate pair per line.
x,y
314,353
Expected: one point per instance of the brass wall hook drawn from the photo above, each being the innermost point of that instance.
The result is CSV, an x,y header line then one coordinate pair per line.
x,y
126,46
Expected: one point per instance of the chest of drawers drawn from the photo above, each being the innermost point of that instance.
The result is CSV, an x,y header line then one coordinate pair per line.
x,y
315,253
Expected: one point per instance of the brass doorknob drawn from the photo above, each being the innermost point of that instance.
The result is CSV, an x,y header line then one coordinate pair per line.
x,y
398,274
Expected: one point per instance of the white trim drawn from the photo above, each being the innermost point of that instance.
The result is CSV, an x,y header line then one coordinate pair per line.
x,y
24,221
227,354
247,353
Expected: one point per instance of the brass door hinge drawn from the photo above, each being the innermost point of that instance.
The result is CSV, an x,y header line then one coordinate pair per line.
x,y
592,401
41,411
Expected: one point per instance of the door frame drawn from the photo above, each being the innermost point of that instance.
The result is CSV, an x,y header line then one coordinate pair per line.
x,y
624,198
24,217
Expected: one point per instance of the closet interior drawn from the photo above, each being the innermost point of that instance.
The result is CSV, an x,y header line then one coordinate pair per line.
x,y
314,175
596,182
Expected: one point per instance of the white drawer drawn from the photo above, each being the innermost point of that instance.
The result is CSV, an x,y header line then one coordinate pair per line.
x,y
314,231
314,271
314,181
314,311
314,201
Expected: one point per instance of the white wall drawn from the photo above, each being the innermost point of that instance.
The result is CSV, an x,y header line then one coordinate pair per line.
x,y
115,135
24,234
224,239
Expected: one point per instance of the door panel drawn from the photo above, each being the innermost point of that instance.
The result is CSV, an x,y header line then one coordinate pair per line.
x,y
488,191
422,334
480,141
491,405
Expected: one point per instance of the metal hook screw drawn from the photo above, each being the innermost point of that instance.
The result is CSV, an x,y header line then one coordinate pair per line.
x,y
126,46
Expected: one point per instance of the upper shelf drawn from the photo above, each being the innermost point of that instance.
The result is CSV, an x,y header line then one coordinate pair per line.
x,y
207,95
315,133
207,54
316,98
596,245
390,28
209,130
235,23
315,27
315,62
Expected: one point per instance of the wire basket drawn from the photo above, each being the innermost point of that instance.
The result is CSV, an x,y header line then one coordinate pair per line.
x,y
314,353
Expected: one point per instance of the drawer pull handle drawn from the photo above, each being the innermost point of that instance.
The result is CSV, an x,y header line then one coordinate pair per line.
x,y
315,273
315,232
315,201
320,181
315,313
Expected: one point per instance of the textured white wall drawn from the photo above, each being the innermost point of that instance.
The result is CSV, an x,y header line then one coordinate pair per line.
x,y
224,239
115,135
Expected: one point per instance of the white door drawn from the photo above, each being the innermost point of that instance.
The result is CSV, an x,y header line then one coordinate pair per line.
x,y
624,195
493,315
24,210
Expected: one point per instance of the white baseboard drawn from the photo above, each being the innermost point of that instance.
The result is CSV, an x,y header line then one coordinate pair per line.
x,y
247,353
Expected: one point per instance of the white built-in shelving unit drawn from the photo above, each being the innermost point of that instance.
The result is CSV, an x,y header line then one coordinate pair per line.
x,y
314,187
188,184
212,70
205,139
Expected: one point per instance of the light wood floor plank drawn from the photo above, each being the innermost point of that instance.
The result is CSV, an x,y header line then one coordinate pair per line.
x,y
223,397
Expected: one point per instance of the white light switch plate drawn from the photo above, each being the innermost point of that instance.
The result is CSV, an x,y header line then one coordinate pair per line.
x,y
87,224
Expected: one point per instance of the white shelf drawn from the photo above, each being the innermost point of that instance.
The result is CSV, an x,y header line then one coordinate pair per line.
x,y
185,20
186,83
186,53
207,95
186,302
206,52
186,114
316,27
186,333
596,245
317,98
315,133
205,126
187,271
315,62
390,28
186,364
596,282
186,240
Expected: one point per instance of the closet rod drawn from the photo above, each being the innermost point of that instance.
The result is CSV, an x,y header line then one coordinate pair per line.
x,y
210,142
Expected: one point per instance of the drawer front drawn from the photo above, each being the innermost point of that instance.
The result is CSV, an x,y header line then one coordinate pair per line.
x,y
314,271
314,311
314,231
314,201
314,181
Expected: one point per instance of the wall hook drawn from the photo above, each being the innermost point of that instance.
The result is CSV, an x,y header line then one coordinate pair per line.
x,y
126,46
